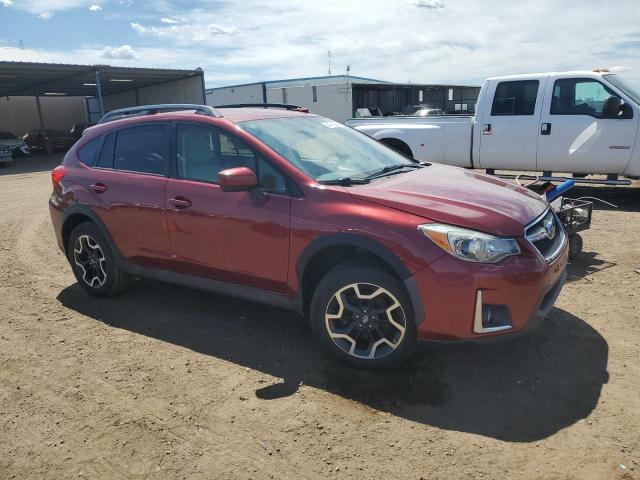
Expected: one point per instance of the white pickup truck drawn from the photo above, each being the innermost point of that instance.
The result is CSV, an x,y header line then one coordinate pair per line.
x,y
575,122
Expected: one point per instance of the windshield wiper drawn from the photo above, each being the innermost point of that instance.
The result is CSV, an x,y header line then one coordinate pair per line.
x,y
392,168
345,181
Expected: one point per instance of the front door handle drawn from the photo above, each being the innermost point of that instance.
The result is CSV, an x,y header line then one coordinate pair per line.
x,y
545,129
486,129
180,202
99,187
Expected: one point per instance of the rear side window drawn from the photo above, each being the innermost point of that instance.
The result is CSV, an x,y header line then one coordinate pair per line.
x,y
87,153
142,149
105,159
515,98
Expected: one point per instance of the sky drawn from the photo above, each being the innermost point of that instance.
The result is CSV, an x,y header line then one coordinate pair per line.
x,y
420,41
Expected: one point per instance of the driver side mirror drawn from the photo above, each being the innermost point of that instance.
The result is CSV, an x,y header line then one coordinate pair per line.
x,y
612,107
239,179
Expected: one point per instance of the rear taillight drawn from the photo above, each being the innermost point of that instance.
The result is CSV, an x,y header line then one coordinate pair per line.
x,y
57,174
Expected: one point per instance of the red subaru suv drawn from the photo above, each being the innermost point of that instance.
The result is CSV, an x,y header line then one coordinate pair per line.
x,y
288,208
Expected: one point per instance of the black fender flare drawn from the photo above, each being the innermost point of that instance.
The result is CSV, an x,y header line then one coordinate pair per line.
x,y
85,210
371,245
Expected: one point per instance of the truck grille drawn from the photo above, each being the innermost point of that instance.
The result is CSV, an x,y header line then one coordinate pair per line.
x,y
547,235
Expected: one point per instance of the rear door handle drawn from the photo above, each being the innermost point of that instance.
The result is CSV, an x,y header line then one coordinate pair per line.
x,y
99,187
180,202
545,129
486,129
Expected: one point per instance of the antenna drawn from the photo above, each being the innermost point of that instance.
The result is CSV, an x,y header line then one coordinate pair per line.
x,y
329,72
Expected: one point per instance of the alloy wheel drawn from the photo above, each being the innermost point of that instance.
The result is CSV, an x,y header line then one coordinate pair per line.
x,y
365,321
90,258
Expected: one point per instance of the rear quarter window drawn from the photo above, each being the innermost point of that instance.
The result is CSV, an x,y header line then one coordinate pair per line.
x,y
87,153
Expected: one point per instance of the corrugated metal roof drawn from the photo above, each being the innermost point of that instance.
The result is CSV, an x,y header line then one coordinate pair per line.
x,y
295,82
11,54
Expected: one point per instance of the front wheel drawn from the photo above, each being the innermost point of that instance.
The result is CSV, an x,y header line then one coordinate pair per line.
x,y
363,316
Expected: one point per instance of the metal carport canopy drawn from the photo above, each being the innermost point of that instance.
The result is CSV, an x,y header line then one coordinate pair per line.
x,y
36,79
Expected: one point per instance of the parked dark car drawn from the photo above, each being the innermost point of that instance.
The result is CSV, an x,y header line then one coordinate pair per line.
x,y
17,146
296,210
48,140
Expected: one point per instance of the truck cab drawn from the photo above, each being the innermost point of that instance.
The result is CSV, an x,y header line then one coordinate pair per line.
x,y
572,122
579,122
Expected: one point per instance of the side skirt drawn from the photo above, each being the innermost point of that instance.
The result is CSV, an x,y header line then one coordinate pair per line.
x,y
216,286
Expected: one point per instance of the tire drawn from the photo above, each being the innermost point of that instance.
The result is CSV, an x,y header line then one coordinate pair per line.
x,y
575,245
93,262
353,328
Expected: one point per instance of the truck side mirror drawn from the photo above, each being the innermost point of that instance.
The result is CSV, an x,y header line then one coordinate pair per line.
x,y
612,107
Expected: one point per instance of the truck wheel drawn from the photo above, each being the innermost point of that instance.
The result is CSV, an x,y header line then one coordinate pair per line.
x,y
575,245
398,146
363,316
93,262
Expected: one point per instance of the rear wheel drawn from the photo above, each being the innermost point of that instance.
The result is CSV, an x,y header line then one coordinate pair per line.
x,y
93,262
363,316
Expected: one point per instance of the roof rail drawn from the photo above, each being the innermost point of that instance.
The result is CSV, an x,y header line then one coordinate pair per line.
x,y
286,106
153,109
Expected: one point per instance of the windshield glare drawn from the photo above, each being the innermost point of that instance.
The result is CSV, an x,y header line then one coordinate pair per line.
x,y
324,149
627,89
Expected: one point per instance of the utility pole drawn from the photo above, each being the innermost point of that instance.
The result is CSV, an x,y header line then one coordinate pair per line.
x,y
329,72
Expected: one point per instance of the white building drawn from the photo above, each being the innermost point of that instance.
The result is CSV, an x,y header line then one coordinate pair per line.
x,y
338,97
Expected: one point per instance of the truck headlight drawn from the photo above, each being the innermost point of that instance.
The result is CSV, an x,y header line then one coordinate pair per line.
x,y
470,245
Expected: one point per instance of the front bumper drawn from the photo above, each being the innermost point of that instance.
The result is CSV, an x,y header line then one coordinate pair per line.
x,y
523,288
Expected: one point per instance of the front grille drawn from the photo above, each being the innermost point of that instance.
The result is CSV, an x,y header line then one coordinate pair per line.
x,y
546,234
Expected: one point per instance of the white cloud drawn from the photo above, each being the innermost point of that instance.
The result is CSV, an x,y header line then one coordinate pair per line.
x,y
170,21
464,42
429,4
184,33
95,8
45,15
6,3
123,52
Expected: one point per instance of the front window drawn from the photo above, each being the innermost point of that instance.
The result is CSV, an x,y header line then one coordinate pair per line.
x,y
579,96
323,149
627,89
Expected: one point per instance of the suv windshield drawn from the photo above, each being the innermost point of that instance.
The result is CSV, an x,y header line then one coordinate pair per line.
x,y
627,89
324,149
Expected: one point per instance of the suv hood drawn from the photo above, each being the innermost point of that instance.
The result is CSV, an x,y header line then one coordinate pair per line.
x,y
11,142
456,196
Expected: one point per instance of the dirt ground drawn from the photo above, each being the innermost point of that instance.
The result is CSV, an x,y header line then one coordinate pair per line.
x,y
165,382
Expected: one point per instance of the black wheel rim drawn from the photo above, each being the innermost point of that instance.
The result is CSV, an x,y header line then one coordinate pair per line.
x,y
365,321
90,260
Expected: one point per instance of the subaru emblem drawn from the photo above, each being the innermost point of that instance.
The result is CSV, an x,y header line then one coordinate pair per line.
x,y
550,227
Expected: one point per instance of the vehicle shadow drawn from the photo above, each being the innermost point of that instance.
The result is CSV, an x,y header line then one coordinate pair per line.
x,y
521,390
625,199
31,164
586,264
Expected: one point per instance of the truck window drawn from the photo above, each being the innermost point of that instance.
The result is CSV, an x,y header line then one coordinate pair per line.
x,y
579,96
515,98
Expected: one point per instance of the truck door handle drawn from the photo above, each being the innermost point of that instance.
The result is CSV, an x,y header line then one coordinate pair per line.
x,y
545,129
486,129
180,202
99,187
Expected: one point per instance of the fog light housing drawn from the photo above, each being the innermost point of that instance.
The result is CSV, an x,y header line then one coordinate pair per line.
x,y
490,318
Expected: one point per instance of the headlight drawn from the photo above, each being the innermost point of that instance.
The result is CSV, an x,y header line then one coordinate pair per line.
x,y
468,244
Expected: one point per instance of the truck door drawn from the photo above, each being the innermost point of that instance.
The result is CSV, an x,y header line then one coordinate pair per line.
x,y
574,136
509,124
